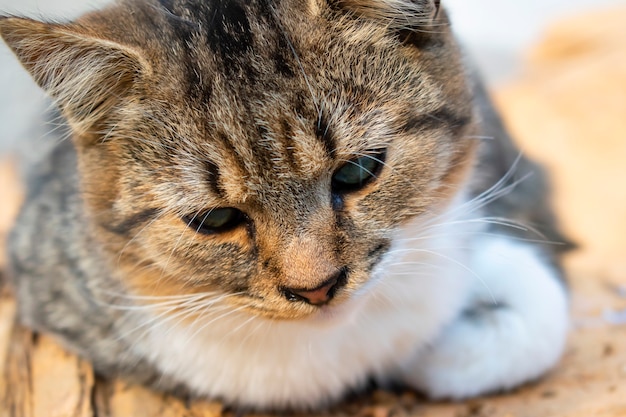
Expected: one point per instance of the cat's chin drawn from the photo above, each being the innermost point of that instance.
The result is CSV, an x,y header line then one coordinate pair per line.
x,y
329,315
337,314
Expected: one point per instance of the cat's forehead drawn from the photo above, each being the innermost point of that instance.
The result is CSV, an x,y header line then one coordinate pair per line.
x,y
255,49
267,147
285,90
274,85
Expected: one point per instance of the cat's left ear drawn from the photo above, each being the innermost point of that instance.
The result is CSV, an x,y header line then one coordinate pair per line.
x,y
87,76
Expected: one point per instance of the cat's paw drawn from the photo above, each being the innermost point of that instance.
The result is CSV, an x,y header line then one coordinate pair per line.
x,y
512,331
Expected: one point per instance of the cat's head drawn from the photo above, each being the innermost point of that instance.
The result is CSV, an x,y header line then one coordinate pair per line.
x,y
265,150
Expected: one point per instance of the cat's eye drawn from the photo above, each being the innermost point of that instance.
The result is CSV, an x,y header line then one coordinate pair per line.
x,y
358,172
215,221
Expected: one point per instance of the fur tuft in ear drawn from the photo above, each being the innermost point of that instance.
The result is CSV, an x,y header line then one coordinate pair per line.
x,y
87,76
397,14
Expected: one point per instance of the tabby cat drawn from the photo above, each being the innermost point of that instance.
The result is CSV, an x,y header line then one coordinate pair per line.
x,y
273,202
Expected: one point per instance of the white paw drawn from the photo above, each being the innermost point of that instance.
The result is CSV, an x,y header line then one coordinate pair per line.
x,y
512,331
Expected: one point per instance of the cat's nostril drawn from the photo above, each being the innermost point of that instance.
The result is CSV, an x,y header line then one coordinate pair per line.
x,y
291,296
320,295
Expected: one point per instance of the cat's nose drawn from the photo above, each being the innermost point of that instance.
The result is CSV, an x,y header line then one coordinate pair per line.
x,y
320,295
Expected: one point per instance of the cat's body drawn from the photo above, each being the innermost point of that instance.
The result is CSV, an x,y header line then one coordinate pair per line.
x,y
312,277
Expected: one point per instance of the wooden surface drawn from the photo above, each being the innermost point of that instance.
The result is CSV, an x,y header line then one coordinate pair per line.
x,y
569,111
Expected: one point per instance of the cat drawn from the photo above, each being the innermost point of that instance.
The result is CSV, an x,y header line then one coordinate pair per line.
x,y
272,202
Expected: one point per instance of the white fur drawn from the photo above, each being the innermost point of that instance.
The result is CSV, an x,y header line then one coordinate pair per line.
x,y
501,347
407,324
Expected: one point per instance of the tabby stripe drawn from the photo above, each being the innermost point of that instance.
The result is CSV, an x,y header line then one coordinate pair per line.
x,y
213,178
232,150
441,118
132,222
325,134
375,255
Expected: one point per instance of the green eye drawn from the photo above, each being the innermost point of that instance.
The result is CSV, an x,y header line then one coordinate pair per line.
x,y
215,221
357,173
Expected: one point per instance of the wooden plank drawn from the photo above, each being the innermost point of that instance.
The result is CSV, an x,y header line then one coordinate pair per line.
x,y
124,400
16,399
121,400
61,383
38,378
7,313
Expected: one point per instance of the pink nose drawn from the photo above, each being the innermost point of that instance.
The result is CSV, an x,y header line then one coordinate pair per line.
x,y
318,296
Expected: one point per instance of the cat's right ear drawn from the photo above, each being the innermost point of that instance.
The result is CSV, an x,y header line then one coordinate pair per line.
x,y
417,22
398,14
86,75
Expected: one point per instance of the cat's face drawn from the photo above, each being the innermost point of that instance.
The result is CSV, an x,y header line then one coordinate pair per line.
x,y
267,152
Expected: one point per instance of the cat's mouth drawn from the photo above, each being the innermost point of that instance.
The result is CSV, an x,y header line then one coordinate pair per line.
x,y
338,310
302,310
344,305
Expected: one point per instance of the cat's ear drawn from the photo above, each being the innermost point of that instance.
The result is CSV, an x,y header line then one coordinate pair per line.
x,y
87,76
415,20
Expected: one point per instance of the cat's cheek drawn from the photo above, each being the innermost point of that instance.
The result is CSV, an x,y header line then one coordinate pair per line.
x,y
165,261
171,244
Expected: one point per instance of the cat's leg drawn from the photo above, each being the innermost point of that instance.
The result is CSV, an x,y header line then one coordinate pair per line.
x,y
513,329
